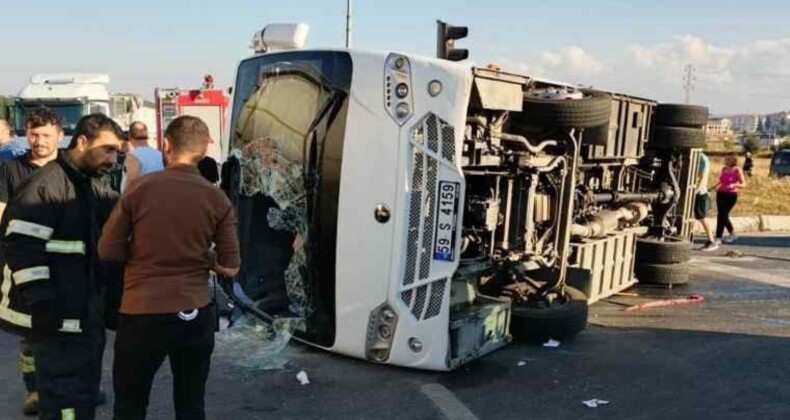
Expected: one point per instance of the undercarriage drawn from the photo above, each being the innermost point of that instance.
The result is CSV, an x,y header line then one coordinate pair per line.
x,y
557,192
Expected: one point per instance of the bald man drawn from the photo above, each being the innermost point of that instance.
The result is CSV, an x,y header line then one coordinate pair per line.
x,y
141,159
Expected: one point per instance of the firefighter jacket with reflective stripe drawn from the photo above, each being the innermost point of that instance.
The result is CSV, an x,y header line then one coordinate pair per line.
x,y
51,228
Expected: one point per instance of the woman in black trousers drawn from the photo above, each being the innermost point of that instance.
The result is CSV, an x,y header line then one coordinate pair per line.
x,y
731,180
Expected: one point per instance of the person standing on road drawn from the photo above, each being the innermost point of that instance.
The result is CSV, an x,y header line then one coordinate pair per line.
x,y
51,229
43,131
748,165
9,149
141,158
209,169
163,228
702,202
731,180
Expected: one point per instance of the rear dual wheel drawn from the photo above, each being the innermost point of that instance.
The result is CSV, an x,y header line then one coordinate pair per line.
x,y
676,115
668,250
662,274
537,322
678,127
677,138
662,261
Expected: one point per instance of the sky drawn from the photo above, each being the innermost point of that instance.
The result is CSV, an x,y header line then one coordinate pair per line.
x,y
740,49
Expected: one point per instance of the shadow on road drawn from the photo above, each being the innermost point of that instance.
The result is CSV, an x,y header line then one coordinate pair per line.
x,y
646,373
753,241
763,241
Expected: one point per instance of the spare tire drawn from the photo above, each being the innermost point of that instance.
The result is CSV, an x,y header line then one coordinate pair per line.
x,y
593,110
564,318
665,138
662,251
665,274
681,115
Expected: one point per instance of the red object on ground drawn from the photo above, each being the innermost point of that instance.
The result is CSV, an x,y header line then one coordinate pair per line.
x,y
667,302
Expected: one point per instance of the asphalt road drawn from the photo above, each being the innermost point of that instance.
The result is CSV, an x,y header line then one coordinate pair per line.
x,y
727,358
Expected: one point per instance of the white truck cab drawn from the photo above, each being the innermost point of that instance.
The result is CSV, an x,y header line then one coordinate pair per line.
x,y
72,95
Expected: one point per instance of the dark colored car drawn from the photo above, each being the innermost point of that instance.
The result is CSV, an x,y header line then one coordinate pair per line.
x,y
780,163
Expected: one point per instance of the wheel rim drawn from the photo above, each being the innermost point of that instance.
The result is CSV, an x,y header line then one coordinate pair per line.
x,y
558,93
540,303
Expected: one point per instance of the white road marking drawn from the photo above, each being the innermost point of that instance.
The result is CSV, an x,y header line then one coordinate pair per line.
x,y
745,273
447,403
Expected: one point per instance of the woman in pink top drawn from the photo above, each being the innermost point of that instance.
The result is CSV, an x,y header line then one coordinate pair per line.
x,y
731,180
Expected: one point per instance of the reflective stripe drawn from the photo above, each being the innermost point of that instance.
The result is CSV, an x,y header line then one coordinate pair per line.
x,y
9,315
66,247
31,274
188,315
68,414
71,326
29,229
27,364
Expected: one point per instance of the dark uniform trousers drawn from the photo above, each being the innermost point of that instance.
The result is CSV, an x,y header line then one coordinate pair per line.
x,y
27,364
141,345
68,371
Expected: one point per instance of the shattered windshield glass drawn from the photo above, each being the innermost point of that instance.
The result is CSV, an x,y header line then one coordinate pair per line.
x,y
288,126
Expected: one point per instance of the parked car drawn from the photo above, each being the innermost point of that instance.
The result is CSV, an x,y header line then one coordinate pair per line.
x,y
780,163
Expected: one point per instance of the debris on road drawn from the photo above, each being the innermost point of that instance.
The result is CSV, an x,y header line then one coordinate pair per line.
x,y
594,403
521,363
666,302
551,344
256,345
302,377
734,254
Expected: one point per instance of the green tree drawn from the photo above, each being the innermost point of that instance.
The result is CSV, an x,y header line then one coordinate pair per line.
x,y
751,144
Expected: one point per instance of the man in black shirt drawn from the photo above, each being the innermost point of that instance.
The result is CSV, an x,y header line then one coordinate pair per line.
x,y
748,164
51,226
44,131
209,169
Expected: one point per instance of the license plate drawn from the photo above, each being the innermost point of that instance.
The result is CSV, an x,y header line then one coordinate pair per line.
x,y
446,221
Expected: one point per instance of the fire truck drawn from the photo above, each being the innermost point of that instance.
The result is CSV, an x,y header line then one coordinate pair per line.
x,y
207,103
423,212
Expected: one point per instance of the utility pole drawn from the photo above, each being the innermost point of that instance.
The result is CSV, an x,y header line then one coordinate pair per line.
x,y
348,23
689,79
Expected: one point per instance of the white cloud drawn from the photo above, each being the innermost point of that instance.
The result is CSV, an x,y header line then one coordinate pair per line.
x,y
573,60
766,61
747,77
569,63
668,61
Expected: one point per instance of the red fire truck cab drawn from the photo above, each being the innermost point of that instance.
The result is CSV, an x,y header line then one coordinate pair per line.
x,y
207,103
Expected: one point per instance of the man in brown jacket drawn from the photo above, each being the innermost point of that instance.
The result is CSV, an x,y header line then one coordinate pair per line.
x,y
163,228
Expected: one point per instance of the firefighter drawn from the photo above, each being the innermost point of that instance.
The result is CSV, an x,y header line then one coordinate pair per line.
x,y
52,227
43,131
